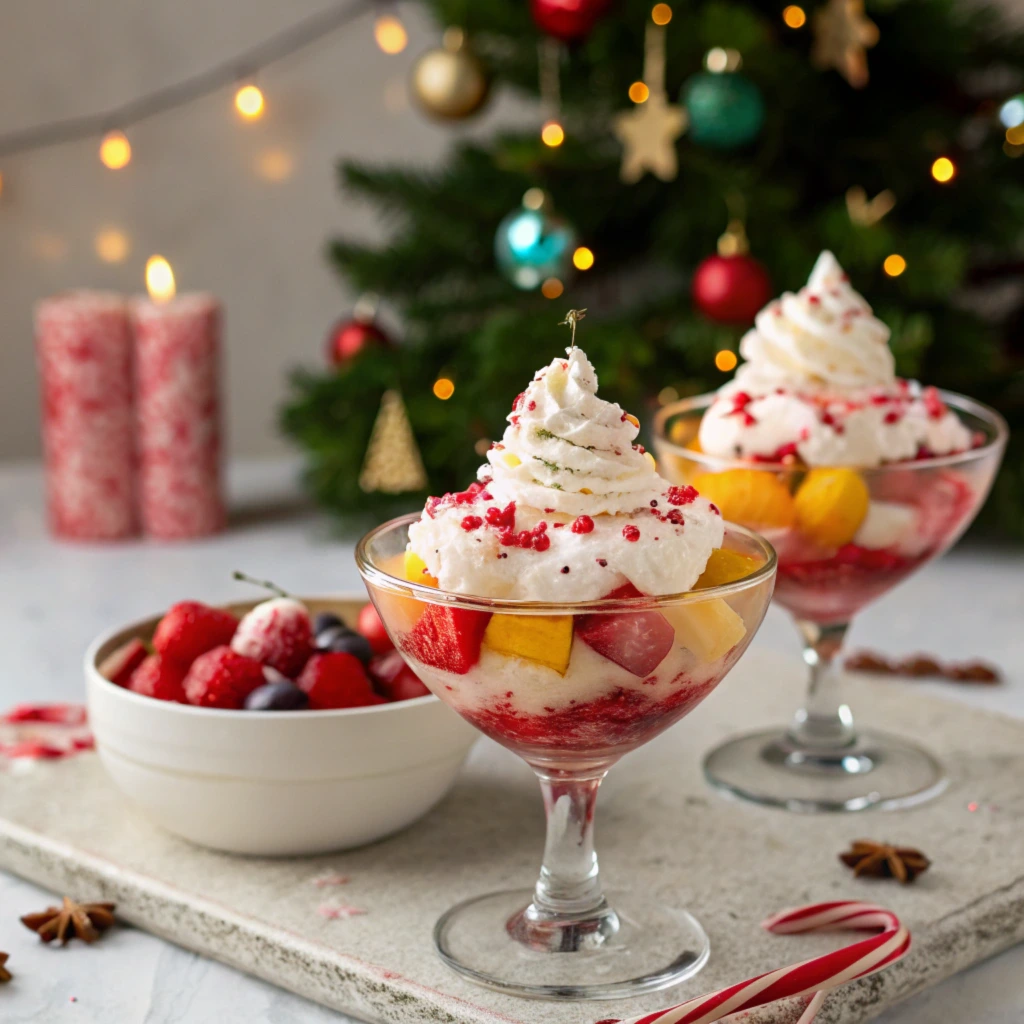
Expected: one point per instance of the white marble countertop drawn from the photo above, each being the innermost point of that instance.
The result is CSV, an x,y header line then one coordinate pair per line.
x,y
56,597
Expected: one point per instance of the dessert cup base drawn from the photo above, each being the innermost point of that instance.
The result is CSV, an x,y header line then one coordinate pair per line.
x,y
876,772
640,946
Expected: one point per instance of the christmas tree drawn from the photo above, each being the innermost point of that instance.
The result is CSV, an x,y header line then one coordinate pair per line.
x,y
875,133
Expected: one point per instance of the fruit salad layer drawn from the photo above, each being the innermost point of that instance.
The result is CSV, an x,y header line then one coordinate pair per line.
x,y
569,509
819,383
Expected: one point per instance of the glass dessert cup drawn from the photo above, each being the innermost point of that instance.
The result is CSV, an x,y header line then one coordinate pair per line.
x,y
822,761
570,688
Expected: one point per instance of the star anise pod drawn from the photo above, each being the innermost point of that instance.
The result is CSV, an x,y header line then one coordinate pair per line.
x,y
5,975
880,860
72,920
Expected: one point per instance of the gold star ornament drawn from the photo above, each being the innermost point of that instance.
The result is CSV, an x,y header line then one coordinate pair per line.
x,y
842,36
648,135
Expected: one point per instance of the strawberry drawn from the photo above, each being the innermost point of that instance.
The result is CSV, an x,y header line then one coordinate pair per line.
x,y
337,680
278,633
370,625
447,638
394,679
636,641
119,665
222,678
192,628
160,679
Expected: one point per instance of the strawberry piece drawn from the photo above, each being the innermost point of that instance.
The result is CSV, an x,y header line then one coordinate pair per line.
x,y
447,638
120,664
636,641
337,680
222,678
370,625
278,633
192,628
394,679
160,679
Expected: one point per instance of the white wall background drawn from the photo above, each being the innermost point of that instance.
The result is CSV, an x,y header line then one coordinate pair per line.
x,y
194,191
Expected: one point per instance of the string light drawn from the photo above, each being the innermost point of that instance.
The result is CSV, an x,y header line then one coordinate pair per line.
x,y
719,59
1011,113
661,14
443,388
249,102
552,134
725,360
552,288
943,170
583,258
1015,135
111,245
894,264
115,151
159,279
390,34
794,16
638,92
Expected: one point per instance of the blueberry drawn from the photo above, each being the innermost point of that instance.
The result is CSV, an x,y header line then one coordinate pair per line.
x,y
342,640
282,696
324,620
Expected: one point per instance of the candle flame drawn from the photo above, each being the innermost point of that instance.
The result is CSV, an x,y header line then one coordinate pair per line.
x,y
159,279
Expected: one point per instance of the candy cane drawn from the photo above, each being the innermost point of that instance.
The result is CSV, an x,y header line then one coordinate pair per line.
x,y
817,975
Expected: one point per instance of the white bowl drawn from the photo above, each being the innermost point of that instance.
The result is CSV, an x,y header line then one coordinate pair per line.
x,y
274,783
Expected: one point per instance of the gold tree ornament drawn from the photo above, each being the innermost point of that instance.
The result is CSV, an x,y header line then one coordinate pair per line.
x,y
450,82
866,212
842,35
393,464
649,131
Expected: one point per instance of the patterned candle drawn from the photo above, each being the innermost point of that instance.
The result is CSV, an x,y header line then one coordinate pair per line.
x,y
177,355
84,350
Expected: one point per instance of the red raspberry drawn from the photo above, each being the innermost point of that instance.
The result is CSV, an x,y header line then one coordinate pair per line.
x,y
222,678
277,633
192,628
681,495
582,524
631,533
372,628
158,678
336,681
541,542
471,523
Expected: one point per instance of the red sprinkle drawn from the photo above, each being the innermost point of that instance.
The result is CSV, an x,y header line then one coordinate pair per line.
x,y
531,406
714,508
582,524
813,300
541,543
565,569
603,563
472,523
892,417
681,495
502,517
631,533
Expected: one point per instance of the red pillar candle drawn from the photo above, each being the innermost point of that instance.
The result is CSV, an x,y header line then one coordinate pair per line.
x,y
84,352
177,394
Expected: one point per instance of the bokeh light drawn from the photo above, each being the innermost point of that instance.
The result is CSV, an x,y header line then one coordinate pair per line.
x,y
894,264
638,92
111,245
583,258
552,134
661,14
115,151
1011,113
249,102
275,165
943,170
726,360
443,388
159,279
794,16
390,34
552,288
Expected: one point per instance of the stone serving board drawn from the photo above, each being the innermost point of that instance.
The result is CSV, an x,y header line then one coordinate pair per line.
x,y
659,827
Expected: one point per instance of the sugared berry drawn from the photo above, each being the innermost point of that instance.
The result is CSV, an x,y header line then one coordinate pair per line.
x,y
279,696
277,632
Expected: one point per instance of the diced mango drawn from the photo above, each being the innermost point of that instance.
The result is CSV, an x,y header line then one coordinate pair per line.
x,y
831,504
416,570
753,497
632,419
709,629
546,639
725,566
511,460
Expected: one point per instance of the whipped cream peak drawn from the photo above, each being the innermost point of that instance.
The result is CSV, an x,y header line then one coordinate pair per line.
x,y
822,337
569,450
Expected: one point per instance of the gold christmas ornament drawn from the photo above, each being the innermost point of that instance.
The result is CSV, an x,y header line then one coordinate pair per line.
x,y
450,83
649,131
842,35
393,464
865,212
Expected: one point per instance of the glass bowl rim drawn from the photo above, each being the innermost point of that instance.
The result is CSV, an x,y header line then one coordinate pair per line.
x,y
378,577
962,403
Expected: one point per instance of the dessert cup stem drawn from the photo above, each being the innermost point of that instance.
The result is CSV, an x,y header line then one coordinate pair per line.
x,y
825,722
569,911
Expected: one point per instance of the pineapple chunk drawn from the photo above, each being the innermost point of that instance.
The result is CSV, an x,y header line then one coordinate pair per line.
x,y
726,566
416,570
546,639
707,628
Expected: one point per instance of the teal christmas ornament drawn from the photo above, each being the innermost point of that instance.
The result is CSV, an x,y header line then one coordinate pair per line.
x,y
533,243
726,110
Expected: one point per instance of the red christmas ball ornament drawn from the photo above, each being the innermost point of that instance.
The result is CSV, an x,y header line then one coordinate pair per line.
x,y
351,335
568,20
731,287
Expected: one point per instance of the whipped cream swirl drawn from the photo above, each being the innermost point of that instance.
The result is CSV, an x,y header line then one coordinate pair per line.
x,y
568,450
